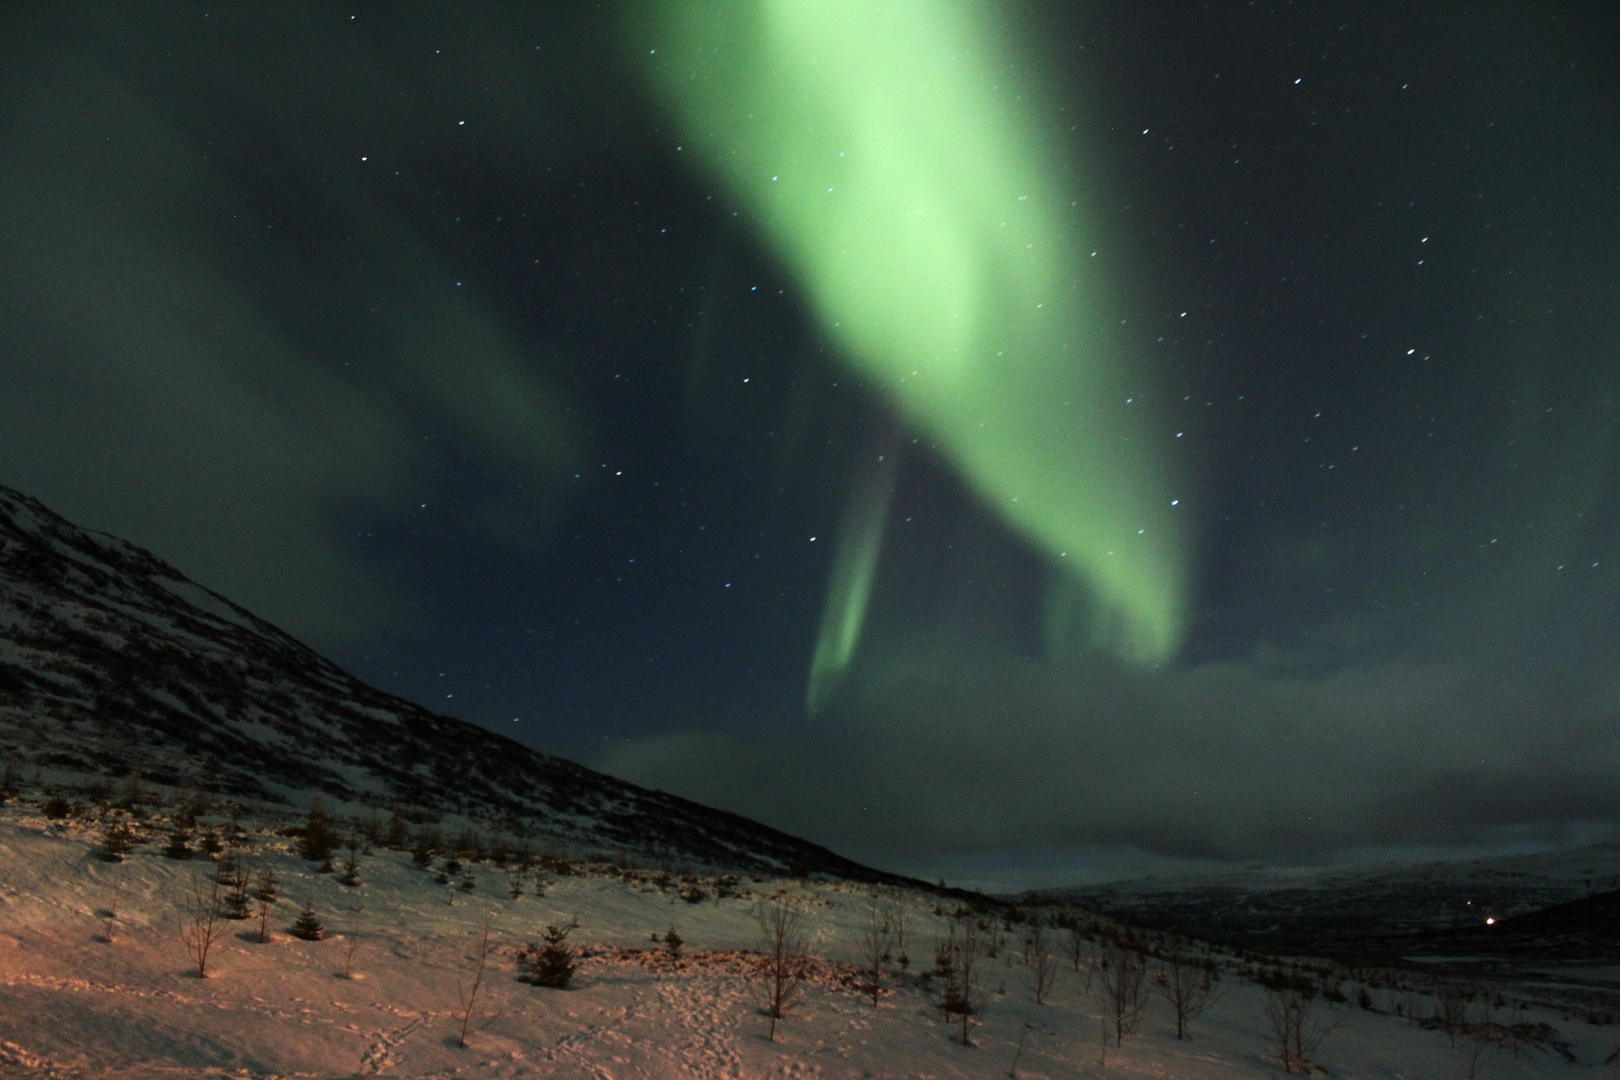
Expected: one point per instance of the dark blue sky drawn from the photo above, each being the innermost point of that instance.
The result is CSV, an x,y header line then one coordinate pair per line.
x,y
409,328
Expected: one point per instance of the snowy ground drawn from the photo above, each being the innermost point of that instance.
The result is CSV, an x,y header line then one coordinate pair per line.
x,y
73,1004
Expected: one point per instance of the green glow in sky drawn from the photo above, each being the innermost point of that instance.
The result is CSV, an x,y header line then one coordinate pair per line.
x,y
888,158
855,559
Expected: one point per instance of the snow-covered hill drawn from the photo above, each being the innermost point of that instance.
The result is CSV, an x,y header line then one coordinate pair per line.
x,y
97,983
114,663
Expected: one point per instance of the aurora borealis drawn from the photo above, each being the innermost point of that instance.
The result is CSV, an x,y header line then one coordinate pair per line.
x,y
1003,442
910,194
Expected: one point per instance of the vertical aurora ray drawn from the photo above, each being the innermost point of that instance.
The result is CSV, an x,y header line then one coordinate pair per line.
x,y
855,560
892,166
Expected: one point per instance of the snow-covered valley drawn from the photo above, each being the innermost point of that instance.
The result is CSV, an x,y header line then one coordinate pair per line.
x,y
97,980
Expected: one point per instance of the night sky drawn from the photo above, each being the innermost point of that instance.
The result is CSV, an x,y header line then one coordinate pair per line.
x,y
473,346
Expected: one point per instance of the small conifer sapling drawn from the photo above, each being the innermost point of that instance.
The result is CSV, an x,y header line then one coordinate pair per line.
x,y
307,926
319,841
267,885
266,895
116,842
551,961
236,879
179,845
351,863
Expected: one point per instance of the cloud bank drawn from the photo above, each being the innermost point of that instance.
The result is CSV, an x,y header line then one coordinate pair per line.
x,y
960,764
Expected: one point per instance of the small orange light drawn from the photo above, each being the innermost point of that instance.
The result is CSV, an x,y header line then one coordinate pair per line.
x,y
1491,921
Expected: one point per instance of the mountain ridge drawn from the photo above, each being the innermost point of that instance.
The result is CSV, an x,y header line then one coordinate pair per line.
x,y
113,662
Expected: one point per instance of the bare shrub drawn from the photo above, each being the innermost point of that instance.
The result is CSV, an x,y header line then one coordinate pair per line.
x,y
1023,1039
1451,1009
1188,985
784,950
1077,949
112,908
1040,963
265,895
469,997
203,924
1296,1026
1119,985
1480,1040
900,928
874,944
959,962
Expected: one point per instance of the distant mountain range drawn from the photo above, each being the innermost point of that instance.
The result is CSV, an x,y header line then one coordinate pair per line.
x,y
1586,930
112,662
1551,904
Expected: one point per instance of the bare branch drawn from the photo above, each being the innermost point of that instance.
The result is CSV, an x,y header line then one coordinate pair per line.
x,y
1119,985
784,952
874,943
1040,963
1190,986
203,925
469,998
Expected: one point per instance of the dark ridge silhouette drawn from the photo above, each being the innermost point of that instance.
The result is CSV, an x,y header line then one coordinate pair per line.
x,y
112,661
1585,929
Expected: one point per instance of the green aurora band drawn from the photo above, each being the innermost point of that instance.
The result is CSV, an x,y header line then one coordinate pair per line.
x,y
884,153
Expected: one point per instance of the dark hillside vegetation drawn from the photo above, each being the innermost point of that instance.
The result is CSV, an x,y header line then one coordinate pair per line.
x,y
113,663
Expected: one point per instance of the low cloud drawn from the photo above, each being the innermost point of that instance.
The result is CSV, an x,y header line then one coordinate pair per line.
x,y
933,765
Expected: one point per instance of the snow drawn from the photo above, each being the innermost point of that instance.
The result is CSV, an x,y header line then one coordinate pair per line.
x,y
74,1005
